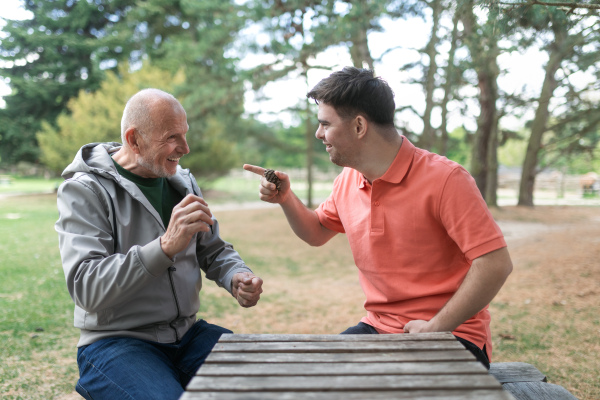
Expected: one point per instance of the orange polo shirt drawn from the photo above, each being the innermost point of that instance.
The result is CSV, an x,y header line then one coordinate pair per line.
x,y
414,233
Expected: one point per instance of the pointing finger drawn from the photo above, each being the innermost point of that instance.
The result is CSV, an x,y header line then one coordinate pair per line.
x,y
253,168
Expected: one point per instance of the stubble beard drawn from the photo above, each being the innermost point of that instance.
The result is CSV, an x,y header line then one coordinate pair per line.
x,y
152,166
339,160
155,168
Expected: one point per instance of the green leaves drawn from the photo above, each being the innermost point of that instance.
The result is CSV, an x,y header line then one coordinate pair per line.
x,y
48,59
96,116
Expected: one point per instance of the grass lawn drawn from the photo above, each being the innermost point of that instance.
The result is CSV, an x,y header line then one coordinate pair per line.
x,y
35,309
546,314
30,185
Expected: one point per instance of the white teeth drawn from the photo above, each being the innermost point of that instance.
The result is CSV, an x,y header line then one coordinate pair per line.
x,y
173,159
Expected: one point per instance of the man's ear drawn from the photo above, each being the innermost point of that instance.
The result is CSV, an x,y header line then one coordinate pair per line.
x,y
132,140
360,126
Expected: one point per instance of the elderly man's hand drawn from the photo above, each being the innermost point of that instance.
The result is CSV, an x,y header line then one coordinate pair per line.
x,y
189,217
246,288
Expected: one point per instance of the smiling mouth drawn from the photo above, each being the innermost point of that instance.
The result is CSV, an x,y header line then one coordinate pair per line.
x,y
173,159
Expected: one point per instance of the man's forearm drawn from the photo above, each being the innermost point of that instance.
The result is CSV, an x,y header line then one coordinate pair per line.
x,y
483,281
305,222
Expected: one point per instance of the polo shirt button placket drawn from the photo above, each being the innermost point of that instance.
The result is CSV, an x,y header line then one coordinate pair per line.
x,y
376,218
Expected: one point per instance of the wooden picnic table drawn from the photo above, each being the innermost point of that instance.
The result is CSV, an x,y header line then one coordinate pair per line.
x,y
408,366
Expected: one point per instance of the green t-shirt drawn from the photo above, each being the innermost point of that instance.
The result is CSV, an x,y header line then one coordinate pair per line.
x,y
158,191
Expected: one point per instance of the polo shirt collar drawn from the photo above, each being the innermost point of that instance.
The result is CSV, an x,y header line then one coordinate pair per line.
x,y
399,166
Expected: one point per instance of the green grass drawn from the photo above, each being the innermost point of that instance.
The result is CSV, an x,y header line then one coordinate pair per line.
x,y
227,189
35,308
30,185
234,189
307,290
36,313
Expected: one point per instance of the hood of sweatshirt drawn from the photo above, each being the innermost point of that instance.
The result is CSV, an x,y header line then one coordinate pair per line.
x,y
94,158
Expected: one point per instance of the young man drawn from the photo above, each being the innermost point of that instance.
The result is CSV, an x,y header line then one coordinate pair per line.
x,y
135,236
429,254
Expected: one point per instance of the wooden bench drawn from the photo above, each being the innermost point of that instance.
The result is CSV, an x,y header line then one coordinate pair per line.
x,y
327,367
525,382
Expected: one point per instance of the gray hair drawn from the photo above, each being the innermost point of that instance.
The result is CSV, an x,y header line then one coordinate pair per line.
x,y
138,112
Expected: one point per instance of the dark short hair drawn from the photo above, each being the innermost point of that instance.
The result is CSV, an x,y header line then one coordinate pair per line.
x,y
353,91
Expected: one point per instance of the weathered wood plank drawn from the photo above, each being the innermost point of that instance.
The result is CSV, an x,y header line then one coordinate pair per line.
x,y
538,391
383,357
350,382
332,347
258,337
507,372
317,369
355,395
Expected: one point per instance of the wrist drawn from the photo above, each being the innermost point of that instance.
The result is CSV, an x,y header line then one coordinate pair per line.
x,y
437,324
164,247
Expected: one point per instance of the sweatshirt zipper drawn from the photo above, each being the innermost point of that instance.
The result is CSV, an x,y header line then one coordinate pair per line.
x,y
171,270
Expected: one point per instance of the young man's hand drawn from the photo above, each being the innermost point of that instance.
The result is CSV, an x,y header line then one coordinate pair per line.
x,y
268,191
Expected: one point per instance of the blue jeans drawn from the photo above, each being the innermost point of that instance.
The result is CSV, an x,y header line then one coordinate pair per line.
x,y
364,329
126,368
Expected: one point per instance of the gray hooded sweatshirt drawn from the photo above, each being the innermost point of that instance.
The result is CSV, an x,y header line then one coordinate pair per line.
x,y
121,281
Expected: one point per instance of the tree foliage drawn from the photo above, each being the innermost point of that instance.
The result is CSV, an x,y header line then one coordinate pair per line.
x,y
299,30
198,38
558,130
70,47
188,36
96,116
48,59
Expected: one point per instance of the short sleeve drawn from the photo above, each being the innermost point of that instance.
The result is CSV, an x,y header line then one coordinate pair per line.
x,y
328,212
466,217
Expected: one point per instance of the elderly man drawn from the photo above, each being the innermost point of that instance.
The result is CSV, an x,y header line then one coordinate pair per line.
x,y
135,235
429,254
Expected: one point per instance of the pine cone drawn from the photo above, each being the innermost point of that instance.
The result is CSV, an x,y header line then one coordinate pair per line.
x,y
271,177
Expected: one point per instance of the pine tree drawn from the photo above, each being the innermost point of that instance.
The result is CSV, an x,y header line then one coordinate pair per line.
x,y
48,59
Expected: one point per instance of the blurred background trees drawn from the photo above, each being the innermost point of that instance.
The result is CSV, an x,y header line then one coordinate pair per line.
x,y
72,66
67,46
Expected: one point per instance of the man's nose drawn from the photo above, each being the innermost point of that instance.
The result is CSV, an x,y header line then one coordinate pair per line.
x,y
183,147
319,133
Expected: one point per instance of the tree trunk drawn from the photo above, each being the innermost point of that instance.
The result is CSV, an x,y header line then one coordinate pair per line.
x,y
448,85
538,127
359,51
485,129
484,52
427,139
491,188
